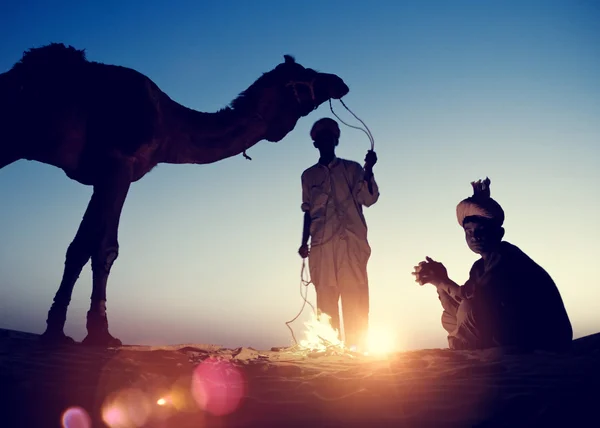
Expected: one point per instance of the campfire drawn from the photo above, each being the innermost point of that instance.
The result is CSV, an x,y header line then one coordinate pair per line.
x,y
320,336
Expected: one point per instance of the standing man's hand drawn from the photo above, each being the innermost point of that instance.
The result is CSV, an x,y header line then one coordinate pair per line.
x,y
370,160
303,251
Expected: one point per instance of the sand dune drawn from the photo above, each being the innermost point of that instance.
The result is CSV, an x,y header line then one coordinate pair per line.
x,y
206,385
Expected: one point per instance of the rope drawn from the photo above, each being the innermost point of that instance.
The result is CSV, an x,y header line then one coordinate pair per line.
x,y
366,130
303,283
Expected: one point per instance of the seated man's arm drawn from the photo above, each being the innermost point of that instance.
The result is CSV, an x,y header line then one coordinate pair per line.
x,y
431,272
453,289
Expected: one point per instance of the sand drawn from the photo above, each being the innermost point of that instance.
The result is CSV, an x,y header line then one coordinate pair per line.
x,y
206,386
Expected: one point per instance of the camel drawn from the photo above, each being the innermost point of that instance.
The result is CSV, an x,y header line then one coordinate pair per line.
x,y
107,126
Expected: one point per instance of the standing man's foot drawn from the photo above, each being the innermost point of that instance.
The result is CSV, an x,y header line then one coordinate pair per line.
x,y
358,348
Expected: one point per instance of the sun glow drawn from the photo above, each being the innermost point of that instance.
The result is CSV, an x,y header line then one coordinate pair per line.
x,y
380,342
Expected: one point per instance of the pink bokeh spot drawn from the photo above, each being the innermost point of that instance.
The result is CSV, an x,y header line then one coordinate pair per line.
x,y
76,417
218,387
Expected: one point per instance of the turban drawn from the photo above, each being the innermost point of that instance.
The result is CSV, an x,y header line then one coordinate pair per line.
x,y
325,124
480,204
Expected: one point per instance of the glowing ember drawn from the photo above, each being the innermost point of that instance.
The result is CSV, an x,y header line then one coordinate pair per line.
x,y
320,335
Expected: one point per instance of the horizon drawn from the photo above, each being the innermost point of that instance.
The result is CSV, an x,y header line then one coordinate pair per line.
x,y
208,253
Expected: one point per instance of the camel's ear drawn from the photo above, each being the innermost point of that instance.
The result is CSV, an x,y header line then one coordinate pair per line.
x,y
289,59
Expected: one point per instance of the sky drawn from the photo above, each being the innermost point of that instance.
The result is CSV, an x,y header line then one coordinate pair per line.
x,y
452,92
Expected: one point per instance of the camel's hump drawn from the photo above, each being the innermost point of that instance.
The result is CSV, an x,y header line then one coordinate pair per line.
x,y
54,54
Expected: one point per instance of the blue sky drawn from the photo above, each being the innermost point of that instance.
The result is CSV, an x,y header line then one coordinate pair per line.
x,y
452,91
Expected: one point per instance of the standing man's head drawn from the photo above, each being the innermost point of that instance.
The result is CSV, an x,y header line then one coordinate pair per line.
x,y
325,134
481,218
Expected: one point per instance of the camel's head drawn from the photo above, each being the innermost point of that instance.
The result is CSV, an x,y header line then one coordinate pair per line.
x,y
289,92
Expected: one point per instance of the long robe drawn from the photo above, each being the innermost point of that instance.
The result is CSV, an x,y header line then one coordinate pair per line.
x,y
508,300
339,250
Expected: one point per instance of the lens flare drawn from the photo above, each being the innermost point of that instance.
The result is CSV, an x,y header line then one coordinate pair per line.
x,y
180,396
76,417
218,386
128,408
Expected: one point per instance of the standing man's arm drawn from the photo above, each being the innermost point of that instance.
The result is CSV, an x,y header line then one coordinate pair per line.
x,y
367,191
303,251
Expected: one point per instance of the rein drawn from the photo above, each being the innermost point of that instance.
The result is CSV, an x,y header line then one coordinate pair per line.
x,y
366,130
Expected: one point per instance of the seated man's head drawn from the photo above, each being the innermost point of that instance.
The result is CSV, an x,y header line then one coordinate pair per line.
x,y
482,234
325,134
481,218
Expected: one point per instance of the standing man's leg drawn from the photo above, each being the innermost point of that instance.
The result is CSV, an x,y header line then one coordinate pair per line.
x,y
328,303
321,265
354,287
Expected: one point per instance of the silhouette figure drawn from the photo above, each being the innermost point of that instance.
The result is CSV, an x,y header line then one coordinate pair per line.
x,y
508,300
334,191
107,126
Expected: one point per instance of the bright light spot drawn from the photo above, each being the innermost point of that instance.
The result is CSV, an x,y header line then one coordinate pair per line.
x,y
380,342
76,417
126,408
320,335
218,386
161,401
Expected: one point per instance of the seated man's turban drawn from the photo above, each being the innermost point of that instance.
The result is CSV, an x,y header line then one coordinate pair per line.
x,y
325,124
480,204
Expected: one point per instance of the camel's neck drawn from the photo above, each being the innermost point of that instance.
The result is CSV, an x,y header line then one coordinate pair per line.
x,y
197,137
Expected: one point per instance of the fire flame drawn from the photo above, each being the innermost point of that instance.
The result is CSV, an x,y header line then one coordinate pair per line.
x,y
319,335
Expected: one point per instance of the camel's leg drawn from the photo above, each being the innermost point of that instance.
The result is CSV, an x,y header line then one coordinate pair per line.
x,y
111,194
78,254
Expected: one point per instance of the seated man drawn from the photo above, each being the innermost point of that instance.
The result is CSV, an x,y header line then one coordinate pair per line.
x,y
508,300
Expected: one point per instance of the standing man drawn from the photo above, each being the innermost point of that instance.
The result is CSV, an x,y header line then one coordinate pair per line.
x,y
334,191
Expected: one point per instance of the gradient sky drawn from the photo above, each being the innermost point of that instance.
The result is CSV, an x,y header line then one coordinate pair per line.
x,y
452,91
